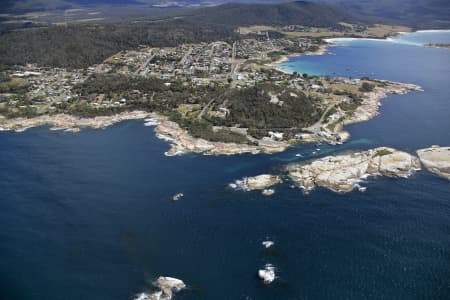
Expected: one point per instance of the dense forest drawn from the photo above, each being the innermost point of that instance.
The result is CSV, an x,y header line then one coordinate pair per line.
x,y
79,46
251,107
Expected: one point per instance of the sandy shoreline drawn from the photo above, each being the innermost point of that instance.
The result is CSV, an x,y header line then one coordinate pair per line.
x,y
323,49
387,39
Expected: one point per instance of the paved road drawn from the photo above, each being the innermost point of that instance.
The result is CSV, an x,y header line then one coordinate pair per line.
x,y
211,55
143,69
200,115
183,60
315,128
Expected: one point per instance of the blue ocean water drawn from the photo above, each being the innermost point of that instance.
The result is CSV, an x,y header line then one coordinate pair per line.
x,y
90,216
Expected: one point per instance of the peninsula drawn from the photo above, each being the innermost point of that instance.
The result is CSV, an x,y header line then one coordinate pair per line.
x,y
211,98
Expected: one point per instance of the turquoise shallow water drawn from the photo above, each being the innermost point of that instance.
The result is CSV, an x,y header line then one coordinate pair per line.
x,y
89,216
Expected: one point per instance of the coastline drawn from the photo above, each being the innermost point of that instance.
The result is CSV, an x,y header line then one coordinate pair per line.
x,y
371,104
179,139
368,109
182,142
68,122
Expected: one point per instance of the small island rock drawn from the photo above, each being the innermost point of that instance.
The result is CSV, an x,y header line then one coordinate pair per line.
x,y
260,182
177,197
268,244
268,192
167,286
267,274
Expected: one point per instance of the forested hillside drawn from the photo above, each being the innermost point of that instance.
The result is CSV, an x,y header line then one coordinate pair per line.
x,y
79,46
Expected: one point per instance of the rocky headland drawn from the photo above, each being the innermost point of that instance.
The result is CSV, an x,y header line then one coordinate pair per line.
x,y
436,159
68,122
345,172
370,105
181,142
333,131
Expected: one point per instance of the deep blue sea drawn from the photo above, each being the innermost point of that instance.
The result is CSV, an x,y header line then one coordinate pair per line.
x,y
90,216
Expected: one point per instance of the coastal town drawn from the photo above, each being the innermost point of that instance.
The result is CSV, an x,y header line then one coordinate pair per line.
x,y
217,63
201,96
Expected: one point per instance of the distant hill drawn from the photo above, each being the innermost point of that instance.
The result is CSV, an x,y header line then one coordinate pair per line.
x,y
420,13
12,6
298,12
232,14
